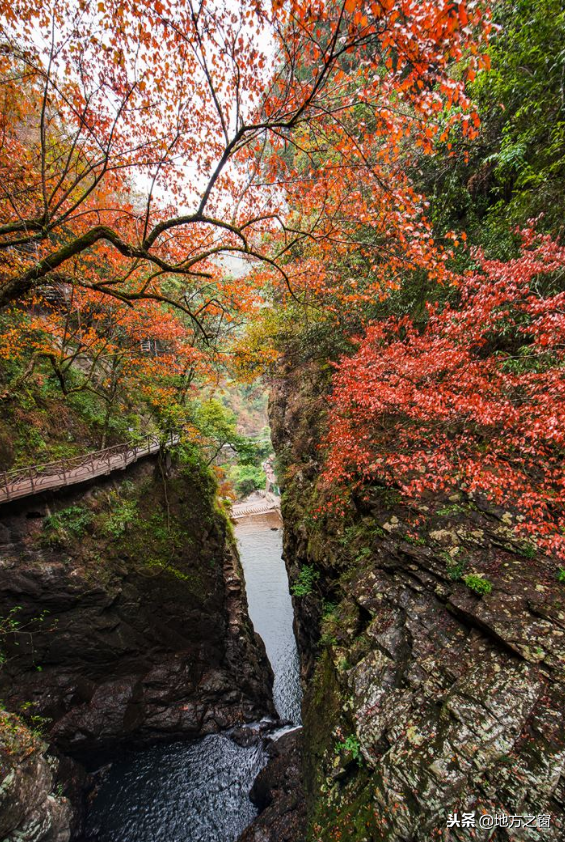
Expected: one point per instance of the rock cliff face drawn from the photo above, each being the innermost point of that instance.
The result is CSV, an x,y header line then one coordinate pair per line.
x,y
30,805
423,696
129,615
278,794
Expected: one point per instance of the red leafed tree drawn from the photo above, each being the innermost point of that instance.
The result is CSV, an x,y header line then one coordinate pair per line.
x,y
145,355
355,222
474,401
155,132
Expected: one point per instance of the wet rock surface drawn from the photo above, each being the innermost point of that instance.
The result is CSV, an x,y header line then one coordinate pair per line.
x,y
126,651
423,697
278,794
31,805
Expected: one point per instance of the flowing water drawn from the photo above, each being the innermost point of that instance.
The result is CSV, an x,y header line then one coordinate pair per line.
x,y
181,792
270,606
199,791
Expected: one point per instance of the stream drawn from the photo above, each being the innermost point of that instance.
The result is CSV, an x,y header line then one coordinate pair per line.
x,y
198,791
270,606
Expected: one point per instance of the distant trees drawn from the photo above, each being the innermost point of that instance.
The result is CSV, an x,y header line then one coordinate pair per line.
x,y
246,479
514,170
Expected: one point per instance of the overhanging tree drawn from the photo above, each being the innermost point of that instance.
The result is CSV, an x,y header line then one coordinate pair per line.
x,y
180,103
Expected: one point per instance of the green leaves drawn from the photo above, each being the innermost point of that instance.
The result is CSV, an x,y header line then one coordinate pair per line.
x,y
478,584
218,427
66,525
351,745
305,582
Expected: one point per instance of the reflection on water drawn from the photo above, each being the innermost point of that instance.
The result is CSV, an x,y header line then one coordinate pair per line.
x,y
199,791
181,792
270,606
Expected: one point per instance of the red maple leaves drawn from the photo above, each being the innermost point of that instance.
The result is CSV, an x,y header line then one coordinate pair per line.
x,y
474,401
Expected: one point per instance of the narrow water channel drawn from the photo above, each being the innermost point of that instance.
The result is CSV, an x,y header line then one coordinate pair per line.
x,y
270,606
199,791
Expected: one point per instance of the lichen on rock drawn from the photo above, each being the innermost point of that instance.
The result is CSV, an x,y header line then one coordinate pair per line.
x,y
31,807
453,695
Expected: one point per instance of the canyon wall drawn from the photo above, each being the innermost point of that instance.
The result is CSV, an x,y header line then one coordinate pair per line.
x,y
129,620
31,804
427,693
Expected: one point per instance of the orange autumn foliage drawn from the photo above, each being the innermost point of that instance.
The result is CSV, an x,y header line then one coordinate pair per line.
x,y
151,135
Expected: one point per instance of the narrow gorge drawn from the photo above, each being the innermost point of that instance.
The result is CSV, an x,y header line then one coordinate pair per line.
x,y
282,421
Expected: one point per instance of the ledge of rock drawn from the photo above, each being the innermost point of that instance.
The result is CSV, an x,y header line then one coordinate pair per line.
x,y
31,806
278,794
128,634
423,696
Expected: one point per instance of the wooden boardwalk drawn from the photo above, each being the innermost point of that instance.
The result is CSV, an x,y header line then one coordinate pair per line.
x,y
51,476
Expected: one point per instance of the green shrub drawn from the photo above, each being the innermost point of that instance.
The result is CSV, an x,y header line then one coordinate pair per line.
x,y
118,520
328,638
88,406
350,744
246,479
9,625
328,609
305,581
478,584
362,533
453,509
455,570
561,575
30,446
455,566
66,525
12,626
37,724
527,550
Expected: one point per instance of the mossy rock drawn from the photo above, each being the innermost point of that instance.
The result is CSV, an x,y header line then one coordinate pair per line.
x,y
6,452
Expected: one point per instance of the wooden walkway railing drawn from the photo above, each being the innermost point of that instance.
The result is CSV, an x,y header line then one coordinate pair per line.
x,y
23,482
